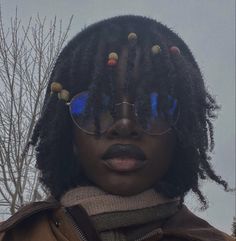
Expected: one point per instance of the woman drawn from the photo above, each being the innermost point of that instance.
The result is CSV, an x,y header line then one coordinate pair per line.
x,y
125,133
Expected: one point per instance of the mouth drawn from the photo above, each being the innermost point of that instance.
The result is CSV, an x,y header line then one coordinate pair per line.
x,y
124,158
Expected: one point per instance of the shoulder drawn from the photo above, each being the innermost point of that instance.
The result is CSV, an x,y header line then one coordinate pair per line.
x,y
26,218
187,225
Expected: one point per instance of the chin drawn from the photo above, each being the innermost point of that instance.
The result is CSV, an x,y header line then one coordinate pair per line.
x,y
123,189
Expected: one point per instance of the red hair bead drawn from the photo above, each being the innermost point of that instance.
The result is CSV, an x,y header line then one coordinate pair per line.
x,y
112,62
174,50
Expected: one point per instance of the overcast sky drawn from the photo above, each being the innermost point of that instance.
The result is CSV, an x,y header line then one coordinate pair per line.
x,y
208,27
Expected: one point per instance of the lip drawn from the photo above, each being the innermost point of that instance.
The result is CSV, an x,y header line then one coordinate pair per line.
x,y
124,164
124,150
124,158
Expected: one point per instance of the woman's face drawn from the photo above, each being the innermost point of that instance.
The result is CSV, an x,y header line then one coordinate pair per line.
x,y
124,174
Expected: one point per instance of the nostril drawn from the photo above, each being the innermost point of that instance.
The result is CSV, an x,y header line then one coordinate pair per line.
x,y
115,133
124,128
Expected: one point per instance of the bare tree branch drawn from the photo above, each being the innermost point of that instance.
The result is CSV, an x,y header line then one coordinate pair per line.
x,y
27,56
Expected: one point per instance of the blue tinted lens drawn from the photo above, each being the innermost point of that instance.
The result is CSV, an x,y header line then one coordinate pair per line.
x,y
172,105
85,119
78,104
159,121
154,104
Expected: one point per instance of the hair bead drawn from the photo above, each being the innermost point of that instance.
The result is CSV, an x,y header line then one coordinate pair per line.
x,y
156,49
175,50
112,62
132,37
112,59
113,55
64,95
56,87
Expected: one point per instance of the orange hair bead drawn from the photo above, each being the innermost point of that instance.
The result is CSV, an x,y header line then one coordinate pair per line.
x,y
56,87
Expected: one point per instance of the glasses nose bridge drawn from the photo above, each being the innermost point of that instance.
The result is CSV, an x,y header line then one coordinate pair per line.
x,y
125,123
125,110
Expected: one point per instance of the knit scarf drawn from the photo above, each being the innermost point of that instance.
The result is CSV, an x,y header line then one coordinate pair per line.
x,y
122,218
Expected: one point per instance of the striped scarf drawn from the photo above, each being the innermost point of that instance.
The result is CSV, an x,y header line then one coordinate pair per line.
x,y
122,218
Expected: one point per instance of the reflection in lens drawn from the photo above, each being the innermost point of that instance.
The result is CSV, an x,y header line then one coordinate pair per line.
x,y
152,119
84,116
159,121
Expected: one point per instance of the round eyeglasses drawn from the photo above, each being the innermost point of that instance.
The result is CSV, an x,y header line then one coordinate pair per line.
x,y
156,121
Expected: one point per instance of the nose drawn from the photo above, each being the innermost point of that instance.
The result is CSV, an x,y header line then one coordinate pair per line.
x,y
125,125
124,128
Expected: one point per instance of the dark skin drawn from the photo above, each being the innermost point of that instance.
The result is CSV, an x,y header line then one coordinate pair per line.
x,y
158,149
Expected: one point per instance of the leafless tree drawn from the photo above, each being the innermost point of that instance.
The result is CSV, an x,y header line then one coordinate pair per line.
x,y
27,56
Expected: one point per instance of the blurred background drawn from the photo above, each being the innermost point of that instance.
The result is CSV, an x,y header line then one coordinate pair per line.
x,y
208,27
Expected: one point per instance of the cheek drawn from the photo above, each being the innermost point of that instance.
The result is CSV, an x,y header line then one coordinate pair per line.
x,y
161,154
87,151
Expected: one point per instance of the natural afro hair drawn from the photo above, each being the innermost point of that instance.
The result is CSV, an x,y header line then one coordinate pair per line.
x,y
82,65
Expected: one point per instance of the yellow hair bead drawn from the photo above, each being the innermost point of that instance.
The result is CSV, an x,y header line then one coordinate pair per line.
x,y
113,55
56,87
156,49
64,95
132,36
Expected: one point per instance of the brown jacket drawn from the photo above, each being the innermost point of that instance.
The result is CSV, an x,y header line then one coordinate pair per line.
x,y
48,221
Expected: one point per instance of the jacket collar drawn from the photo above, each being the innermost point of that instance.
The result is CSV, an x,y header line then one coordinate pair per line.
x,y
183,225
28,211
